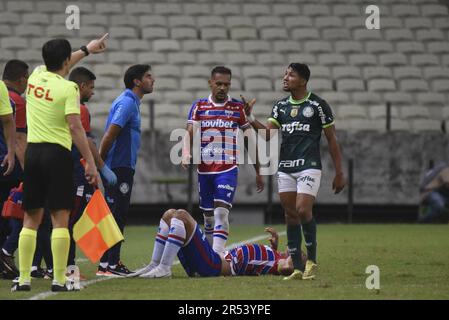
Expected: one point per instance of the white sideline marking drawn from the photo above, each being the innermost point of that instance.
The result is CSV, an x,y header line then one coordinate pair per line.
x,y
84,284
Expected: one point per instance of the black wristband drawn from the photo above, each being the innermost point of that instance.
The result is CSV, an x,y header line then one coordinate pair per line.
x,y
84,49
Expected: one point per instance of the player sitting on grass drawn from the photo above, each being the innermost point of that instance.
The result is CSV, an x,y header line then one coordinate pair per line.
x,y
179,234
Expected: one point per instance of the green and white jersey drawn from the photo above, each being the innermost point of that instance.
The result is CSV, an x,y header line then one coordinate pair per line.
x,y
301,123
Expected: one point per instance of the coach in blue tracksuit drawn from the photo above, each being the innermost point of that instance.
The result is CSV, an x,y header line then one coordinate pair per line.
x,y
119,148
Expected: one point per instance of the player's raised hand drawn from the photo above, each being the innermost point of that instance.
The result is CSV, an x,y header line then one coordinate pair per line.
x,y
185,162
274,239
98,45
339,183
259,183
248,105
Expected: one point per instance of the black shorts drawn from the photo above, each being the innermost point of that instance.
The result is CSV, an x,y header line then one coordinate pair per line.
x,y
48,177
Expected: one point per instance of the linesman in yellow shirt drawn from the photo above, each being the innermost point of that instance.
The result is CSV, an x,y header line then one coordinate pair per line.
x,y
9,129
53,121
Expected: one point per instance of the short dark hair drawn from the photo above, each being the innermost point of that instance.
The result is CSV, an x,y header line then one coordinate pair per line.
x,y
14,70
302,69
55,52
81,74
220,69
135,72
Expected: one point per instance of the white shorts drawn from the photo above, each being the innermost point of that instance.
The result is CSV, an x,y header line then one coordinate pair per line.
x,y
306,181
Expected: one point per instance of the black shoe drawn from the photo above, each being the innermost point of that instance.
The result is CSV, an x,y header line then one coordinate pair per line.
x,y
56,287
39,273
120,270
48,274
8,265
16,286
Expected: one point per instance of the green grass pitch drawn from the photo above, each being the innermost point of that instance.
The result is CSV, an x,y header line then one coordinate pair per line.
x,y
413,262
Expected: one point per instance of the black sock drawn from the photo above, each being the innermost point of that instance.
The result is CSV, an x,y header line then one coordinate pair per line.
x,y
294,238
309,230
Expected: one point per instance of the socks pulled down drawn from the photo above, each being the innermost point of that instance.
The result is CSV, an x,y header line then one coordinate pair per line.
x,y
221,229
60,244
175,240
309,231
27,246
294,238
159,242
209,222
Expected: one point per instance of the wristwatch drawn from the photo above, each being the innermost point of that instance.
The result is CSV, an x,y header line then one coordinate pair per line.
x,y
84,49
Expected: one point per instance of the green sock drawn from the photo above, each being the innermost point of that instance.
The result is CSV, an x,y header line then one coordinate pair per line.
x,y
309,230
294,238
60,244
27,246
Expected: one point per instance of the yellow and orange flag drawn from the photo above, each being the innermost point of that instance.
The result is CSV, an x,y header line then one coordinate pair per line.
x,y
96,231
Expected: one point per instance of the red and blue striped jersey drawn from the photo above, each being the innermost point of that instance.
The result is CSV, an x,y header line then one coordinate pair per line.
x,y
219,125
253,260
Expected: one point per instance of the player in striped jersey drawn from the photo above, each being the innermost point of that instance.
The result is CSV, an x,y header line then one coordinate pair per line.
x,y
219,118
179,235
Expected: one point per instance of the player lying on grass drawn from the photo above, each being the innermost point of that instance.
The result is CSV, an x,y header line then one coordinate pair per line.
x,y
179,235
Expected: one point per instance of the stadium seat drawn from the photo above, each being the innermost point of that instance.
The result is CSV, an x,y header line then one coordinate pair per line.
x,y
345,10
320,72
28,31
377,47
20,6
425,125
380,112
255,85
226,9
350,85
123,21
430,35
181,58
318,85
424,60
445,60
243,33
407,73
255,9
239,59
417,23
410,47
108,7
445,113
282,10
14,43
400,125
256,46
6,30
168,8
30,56
213,33
196,71
179,97
110,95
398,34
122,57
198,9
313,10
152,58
305,34
196,46
152,21
99,108
58,31
193,84
106,83
166,71
211,21
377,73
364,34
298,22
268,98
136,45
52,7
9,18
414,112
348,46
335,97
332,59
345,72
98,122
390,23
271,59
268,21
35,19
431,73
438,47
181,21
239,21
434,10
274,34
211,59
256,72
414,85
441,23
431,99
392,59
403,10
162,45
286,46
440,85
166,84
354,22
153,33
138,8
398,98
183,33
334,34
381,85
317,46
363,125
351,112
326,22
108,70
367,98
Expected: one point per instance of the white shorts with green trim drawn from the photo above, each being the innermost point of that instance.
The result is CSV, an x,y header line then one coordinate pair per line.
x,y
306,181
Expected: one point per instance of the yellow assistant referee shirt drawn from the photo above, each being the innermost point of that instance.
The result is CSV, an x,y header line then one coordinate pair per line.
x,y
49,99
5,104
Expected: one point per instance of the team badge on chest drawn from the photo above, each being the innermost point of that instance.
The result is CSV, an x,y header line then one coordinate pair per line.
x,y
294,112
308,112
